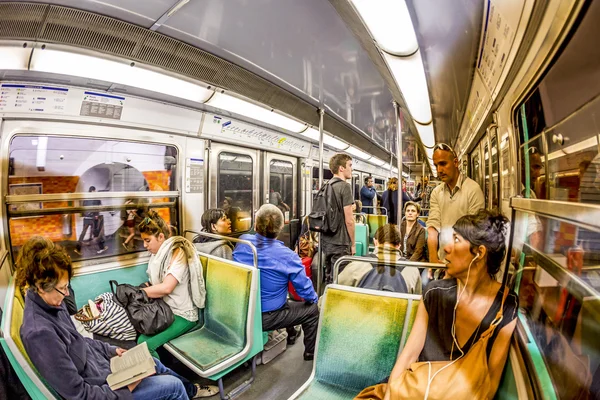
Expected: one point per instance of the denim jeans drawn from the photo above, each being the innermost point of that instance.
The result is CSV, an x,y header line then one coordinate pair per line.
x,y
165,385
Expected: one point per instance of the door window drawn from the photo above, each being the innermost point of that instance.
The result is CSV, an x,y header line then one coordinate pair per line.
x,y
281,187
234,189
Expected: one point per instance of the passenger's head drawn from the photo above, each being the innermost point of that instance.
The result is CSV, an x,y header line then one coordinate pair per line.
x,y
215,220
536,165
227,203
45,268
446,163
341,164
357,206
387,235
154,231
92,189
393,184
411,210
479,238
369,181
403,184
269,221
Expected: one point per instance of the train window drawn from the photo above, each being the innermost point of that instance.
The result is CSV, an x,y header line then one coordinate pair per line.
x,y
327,175
476,168
507,181
356,185
379,185
562,314
234,188
100,224
486,173
533,171
281,187
495,172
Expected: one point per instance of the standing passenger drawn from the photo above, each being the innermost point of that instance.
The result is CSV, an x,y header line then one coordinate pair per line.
x,y
342,242
279,265
367,194
390,201
457,196
91,219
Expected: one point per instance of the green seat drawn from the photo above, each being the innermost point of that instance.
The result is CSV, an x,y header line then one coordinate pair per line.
x,y
375,222
373,324
361,239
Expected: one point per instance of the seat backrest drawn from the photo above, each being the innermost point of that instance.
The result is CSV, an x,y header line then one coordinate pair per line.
x,y
361,236
373,324
16,321
228,289
375,222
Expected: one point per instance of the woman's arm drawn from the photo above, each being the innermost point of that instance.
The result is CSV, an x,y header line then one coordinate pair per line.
x,y
414,345
162,289
498,356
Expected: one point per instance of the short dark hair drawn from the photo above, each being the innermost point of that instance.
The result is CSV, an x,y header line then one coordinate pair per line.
x,y
211,216
40,262
367,179
485,228
269,221
388,233
337,161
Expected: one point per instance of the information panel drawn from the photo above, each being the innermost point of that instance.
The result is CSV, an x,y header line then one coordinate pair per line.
x,y
32,98
102,105
194,175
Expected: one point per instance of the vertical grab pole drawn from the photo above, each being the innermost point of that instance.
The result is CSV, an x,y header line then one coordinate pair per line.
x,y
399,212
320,248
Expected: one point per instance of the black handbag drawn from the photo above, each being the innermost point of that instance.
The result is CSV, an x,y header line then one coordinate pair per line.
x,y
148,316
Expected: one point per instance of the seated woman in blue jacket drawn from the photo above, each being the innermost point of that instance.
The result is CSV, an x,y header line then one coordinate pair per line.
x,y
76,367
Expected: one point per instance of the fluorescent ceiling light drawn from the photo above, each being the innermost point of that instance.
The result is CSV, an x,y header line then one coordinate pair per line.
x,y
390,24
250,110
426,134
429,154
574,148
395,170
376,161
333,142
358,153
386,166
42,150
67,63
13,57
311,133
410,77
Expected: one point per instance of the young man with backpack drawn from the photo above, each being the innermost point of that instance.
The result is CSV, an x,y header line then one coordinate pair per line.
x,y
332,214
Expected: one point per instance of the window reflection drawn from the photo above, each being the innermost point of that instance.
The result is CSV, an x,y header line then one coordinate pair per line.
x,y
235,189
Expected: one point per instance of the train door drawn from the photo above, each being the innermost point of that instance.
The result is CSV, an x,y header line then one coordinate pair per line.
x,y
234,184
486,172
495,172
476,167
280,188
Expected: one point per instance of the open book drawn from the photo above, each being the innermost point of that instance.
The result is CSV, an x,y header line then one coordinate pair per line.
x,y
133,365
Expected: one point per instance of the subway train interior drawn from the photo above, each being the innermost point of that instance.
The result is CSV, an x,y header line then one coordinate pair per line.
x,y
179,106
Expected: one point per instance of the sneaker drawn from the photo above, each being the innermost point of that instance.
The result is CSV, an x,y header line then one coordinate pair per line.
x,y
102,250
205,390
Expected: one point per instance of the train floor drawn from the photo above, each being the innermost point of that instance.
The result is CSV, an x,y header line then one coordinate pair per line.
x,y
276,380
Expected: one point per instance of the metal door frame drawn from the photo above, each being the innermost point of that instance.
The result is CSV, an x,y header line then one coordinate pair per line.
x,y
267,157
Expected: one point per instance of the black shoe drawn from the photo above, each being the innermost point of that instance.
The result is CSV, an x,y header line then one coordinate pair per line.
x,y
291,340
309,356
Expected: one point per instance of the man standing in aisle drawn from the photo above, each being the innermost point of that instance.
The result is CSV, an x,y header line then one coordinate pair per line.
x,y
342,242
455,197
367,194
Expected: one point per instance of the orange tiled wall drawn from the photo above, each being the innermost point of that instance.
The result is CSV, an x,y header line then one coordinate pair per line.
x,y
51,226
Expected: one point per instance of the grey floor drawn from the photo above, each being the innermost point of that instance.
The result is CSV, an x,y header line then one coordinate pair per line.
x,y
277,380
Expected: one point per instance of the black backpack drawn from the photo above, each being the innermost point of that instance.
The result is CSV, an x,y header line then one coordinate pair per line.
x,y
326,215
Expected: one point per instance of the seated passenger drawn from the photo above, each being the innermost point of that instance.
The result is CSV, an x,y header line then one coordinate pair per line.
x,y
215,221
455,312
278,265
379,277
412,234
357,211
76,367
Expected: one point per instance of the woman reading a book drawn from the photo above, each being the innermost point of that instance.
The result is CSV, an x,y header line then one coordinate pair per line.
x,y
76,367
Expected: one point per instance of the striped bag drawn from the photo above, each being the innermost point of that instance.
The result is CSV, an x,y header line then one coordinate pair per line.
x,y
108,319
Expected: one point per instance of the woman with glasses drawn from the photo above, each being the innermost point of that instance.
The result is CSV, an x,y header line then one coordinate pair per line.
x,y
76,367
215,221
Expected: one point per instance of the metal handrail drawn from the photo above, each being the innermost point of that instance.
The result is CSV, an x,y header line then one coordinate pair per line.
x,y
79,209
362,217
33,198
395,263
378,207
229,238
581,214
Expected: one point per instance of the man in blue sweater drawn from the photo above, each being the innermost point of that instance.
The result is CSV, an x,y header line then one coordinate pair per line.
x,y
279,265
367,194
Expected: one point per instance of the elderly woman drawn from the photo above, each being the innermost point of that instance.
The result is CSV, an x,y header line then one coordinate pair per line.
x,y
215,221
76,367
279,265
456,312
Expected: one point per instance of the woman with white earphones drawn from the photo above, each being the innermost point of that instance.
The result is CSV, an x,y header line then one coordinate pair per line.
x,y
462,310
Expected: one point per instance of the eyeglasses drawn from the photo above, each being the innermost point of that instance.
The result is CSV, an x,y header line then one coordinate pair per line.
x,y
64,295
444,147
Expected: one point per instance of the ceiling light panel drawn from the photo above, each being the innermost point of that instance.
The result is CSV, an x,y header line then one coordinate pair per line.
x,y
311,133
357,153
250,110
376,161
333,142
13,57
426,134
410,77
390,24
120,72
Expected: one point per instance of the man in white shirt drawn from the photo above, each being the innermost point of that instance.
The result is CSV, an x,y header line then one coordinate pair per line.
x,y
455,197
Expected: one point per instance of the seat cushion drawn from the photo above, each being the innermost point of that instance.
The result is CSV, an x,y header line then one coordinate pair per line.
x,y
204,348
323,391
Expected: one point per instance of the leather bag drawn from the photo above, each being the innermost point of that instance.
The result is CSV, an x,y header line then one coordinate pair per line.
x,y
467,377
148,316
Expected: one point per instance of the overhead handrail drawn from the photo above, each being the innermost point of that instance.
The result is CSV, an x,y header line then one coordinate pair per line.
x,y
79,209
31,198
229,238
581,214
395,263
378,207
